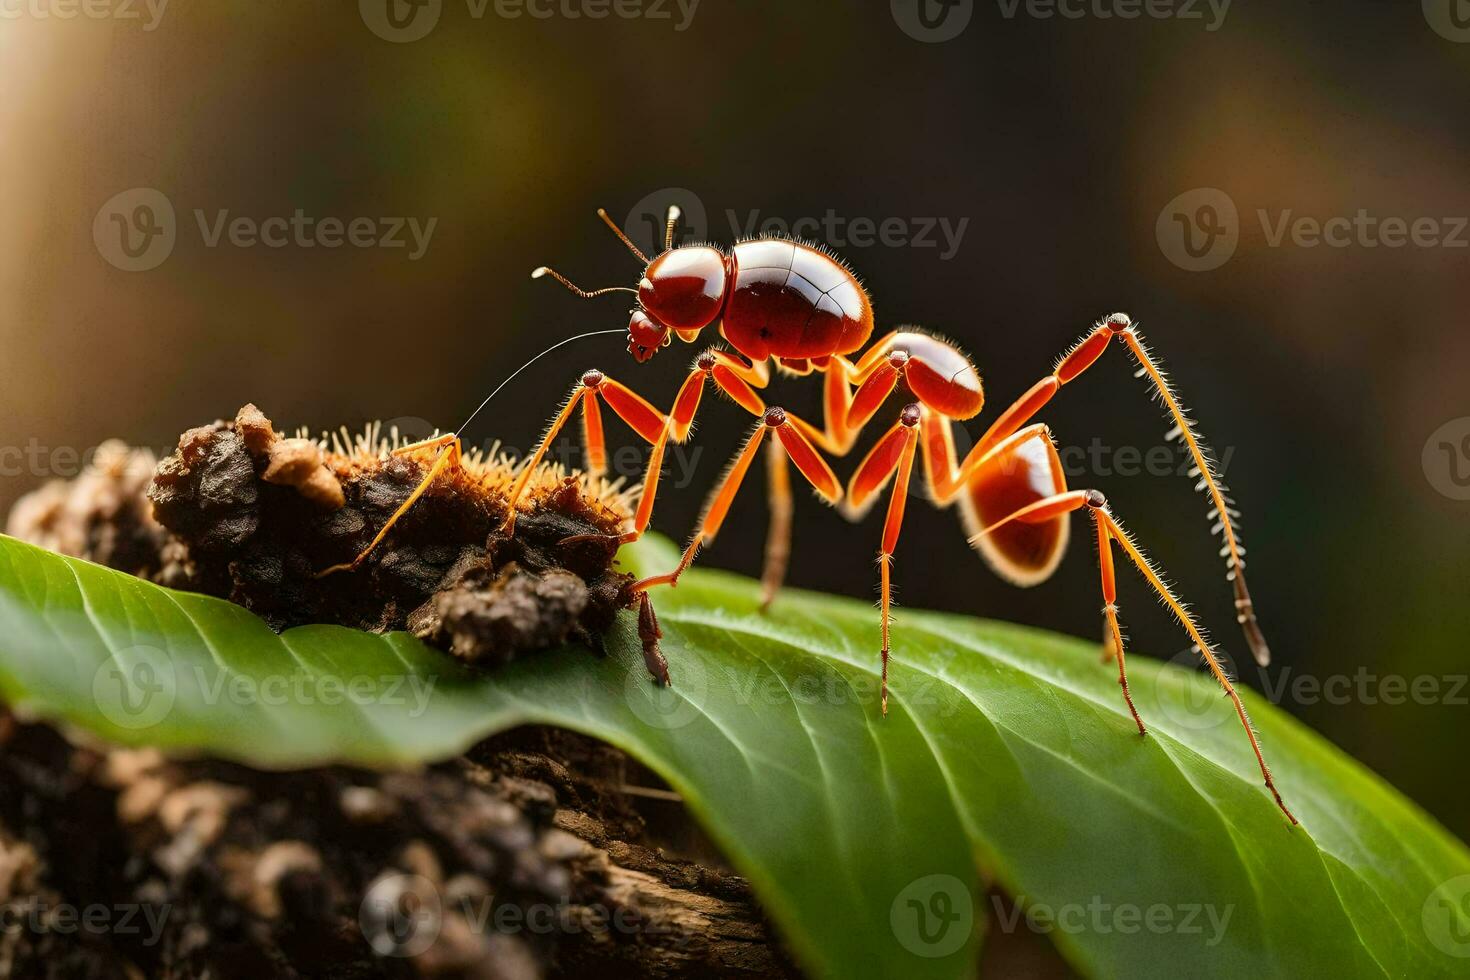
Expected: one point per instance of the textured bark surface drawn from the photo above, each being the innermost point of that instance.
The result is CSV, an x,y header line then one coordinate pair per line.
x,y
538,854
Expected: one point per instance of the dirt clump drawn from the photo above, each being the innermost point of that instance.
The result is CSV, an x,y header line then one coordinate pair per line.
x,y
243,512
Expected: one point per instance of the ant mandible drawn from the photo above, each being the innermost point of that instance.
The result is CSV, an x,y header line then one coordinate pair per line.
x,y
783,302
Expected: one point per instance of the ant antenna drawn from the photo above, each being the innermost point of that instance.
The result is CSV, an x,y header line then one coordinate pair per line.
x,y
602,213
674,214
595,333
545,271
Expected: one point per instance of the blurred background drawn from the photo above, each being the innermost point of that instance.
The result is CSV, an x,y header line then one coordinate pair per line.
x,y
1276,192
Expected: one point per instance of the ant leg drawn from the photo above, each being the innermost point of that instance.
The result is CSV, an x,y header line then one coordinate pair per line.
x,y
733,376
836,436
778,540
715,510
528,468
627,404
893,453
594,442
1110,528
735,379
796,445
433,442
1146,568
874,391
649,634
678,424
1114,642
632,408
449,455
644,513
1082,356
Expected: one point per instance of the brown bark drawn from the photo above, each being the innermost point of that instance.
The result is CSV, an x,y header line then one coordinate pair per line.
x,y
538,854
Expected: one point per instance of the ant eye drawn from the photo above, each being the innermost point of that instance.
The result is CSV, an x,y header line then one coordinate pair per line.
x,y
685,288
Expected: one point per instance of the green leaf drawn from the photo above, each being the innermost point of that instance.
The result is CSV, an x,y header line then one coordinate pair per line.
x,y
1007,752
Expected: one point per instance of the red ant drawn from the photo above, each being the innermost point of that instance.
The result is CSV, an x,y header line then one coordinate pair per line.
x,y
783,301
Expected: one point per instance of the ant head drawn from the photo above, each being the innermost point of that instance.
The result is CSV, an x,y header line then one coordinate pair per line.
x,y
645,336
684,288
